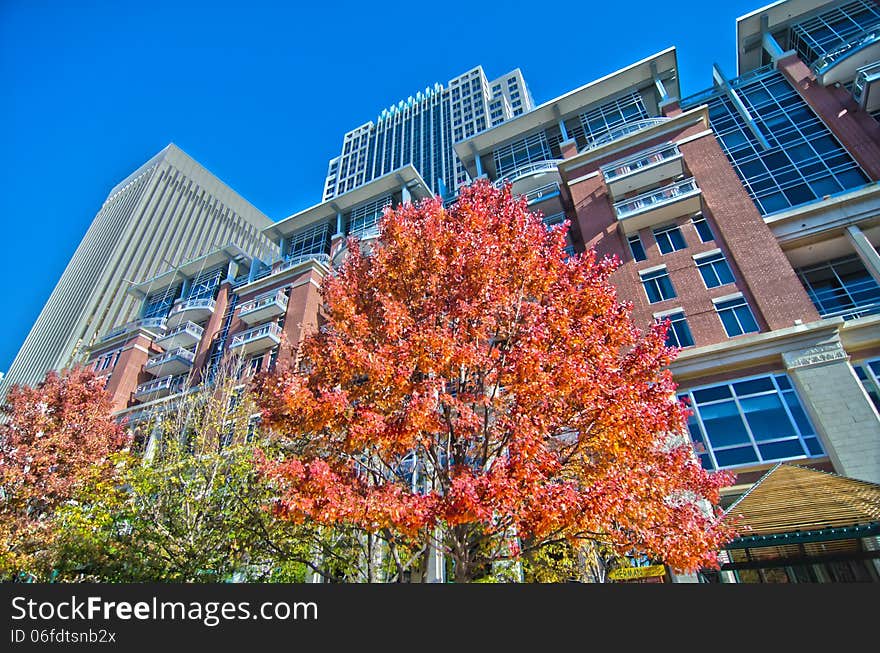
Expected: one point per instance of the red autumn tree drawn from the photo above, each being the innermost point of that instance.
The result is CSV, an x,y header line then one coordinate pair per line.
x,y
56,439
473,381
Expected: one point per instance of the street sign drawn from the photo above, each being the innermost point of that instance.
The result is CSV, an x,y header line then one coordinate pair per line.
x,y
631,573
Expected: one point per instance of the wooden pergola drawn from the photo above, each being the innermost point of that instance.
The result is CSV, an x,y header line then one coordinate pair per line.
x,y
798,524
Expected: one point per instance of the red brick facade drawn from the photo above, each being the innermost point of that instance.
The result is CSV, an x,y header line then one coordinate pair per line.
x,y
740,233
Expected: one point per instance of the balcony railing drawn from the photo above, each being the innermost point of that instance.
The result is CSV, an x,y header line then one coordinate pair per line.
x,y
192,304
852,300
278,298
160,387
827,60
623,130
542,193
190,309
656,198
186,328
551,165
179,352
291,262
242,339
153,324
640,161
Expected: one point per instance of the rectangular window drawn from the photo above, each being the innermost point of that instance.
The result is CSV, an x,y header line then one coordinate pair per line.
x,y
364,219
749,421
107,361
205,284
658,285
636,247
703,229
669,239
736,316
158,304
307,242
869,374
714,269
841,287
679,333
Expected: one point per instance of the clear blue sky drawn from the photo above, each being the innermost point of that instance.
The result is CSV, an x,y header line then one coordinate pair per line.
x,y
260,93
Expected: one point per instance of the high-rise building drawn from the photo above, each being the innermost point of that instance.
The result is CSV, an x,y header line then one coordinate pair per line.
x,y
168,211
422,129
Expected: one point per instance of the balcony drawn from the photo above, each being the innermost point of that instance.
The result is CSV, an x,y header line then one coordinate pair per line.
x,y
866,88
291,262
185,335
658,206
153,325
841,65
532,177
543,193
259,339
644,169
263,308
173,362
192,310
157,388
624,130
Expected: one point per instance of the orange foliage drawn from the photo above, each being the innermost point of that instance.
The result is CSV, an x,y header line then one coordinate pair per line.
x,y
468,346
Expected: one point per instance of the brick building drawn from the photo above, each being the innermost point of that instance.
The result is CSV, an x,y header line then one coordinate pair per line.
x,y
747,215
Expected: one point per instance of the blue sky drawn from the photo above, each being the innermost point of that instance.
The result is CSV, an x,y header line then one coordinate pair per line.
x,y
260,93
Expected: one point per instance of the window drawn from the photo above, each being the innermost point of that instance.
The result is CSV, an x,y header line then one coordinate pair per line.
x,y
599,121
310,241
804,161
636,247
657,284
527,150
255,364
736,316
679,334
108,360
703,229
869,374
752,420
204,285
669,239
714,269
157,304
364,219
841,287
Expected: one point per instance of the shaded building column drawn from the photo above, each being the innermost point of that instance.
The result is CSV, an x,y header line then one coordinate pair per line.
x,y
843,414
212,330
865,250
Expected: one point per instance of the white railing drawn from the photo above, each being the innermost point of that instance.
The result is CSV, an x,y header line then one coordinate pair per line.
x,y
550,165
540,193
828,59
172,383
245,337
150,324
623,130
640,161
658,197
293,261
261,302
191,327
178,352
190,304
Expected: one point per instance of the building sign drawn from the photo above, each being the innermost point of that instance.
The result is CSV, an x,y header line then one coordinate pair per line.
x,y
632,573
